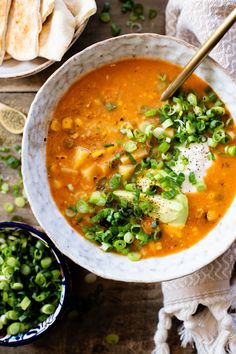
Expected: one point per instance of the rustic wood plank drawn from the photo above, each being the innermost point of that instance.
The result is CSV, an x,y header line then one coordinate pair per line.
x,y
130,310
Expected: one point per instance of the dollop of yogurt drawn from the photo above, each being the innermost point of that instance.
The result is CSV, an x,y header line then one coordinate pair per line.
x,y
198,162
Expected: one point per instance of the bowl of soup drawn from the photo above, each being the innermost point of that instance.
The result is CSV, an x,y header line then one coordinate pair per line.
x,y
127,186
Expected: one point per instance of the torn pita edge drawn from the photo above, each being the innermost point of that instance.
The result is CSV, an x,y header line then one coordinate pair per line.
x,y
87,9
46,8
81,9
4,32
52,33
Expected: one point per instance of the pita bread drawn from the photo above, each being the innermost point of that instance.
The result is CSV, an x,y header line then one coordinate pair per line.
x,y
47,7
23,29
6,57
57,33
81,9
4,11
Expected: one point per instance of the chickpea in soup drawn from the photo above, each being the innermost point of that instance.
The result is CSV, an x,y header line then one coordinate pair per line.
x,y
134,175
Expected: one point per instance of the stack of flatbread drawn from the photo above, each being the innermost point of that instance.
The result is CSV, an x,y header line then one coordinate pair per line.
x,y
40,28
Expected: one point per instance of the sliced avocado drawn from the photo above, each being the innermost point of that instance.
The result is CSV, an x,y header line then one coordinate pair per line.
x,y
173,212
129,196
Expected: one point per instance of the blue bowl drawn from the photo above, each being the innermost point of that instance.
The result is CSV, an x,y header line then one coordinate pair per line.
x,y
35,333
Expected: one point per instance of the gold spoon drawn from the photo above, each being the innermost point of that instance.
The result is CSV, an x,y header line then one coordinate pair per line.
x,y
199,56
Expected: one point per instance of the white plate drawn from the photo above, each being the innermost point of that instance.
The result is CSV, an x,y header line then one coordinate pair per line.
x,y
14,69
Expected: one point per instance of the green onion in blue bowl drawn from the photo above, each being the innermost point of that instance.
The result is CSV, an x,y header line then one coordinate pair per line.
x,y
34,283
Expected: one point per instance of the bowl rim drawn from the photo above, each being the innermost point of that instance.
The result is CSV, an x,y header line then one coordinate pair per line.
x,y
184,271
66,286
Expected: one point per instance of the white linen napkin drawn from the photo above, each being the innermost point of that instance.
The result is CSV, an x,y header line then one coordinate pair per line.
x,y
206,300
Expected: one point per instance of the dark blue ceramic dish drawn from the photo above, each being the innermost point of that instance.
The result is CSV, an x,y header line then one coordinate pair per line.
x,y
35,333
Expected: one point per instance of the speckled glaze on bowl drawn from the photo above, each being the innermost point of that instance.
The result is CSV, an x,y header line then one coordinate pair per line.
x,y
80,250
36,332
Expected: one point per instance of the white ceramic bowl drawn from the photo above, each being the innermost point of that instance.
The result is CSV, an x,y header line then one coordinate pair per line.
x,y
14,69
76,247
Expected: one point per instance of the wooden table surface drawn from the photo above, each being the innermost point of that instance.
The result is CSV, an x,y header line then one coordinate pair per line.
x,y
127,309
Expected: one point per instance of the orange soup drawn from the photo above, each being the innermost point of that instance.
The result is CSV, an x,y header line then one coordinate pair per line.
x,y
133,174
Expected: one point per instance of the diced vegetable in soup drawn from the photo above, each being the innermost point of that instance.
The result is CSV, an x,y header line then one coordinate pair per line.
x,y
137,176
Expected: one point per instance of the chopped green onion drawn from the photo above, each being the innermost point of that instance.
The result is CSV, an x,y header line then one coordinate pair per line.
x,y
115,180
105,17
132,159
15,190
130,146
83,207
128,237
218,110
192,178
4,149
4,187
20,202
115,160
70,213
17,148
211,156
127,6
230,150
25,303
12,162
134,256
26,264
110,106
112,339
119,244
17,286
135,27
40,280
190,128
138,9
158,132
25,269
164,147
46,262
201,186
15,328
12,315
151,112
98,198
106,6
192,99
108,145
89,235
169,194
9,207
115,30
167,123
211,143
105,246
90,278
152,14
48,309
130,187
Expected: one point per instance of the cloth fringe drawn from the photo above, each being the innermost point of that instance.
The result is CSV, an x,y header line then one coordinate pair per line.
x,y
212,331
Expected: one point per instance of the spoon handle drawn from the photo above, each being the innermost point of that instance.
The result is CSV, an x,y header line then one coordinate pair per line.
x,y
199,56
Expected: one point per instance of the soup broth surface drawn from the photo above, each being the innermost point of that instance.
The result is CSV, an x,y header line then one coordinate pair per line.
x,y
86,149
